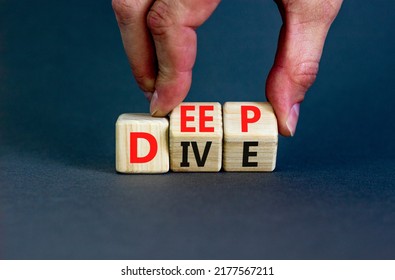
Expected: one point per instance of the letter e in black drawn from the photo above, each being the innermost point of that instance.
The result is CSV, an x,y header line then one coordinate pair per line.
x,y
247,154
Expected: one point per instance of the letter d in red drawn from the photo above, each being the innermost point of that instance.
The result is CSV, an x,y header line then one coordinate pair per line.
x,y
152,151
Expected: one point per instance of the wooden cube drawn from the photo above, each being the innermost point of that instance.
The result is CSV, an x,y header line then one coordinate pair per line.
x,y
196,137
250,136
142,144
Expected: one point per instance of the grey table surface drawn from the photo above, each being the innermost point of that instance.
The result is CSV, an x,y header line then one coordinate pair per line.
x,y
64,80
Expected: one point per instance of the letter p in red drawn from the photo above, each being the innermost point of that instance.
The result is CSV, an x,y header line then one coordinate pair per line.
x,y
245,120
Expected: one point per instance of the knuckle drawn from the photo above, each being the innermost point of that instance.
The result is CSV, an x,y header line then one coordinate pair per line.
x,y
125,11
325,12
305,74
160,17
331,9
312,12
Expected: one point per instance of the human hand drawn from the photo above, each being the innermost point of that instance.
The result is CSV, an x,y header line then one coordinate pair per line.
x,y
160,42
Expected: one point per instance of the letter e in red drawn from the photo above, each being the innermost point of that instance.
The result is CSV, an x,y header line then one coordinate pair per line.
x,y
184,118
203,118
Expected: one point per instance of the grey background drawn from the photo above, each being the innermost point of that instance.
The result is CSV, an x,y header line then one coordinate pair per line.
x,y
64,80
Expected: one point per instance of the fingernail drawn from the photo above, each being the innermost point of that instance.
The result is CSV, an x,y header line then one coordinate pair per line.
x,y
292,119
154,100
149,84
148,95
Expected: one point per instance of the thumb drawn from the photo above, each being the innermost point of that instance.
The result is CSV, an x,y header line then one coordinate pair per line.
x,y
302,37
